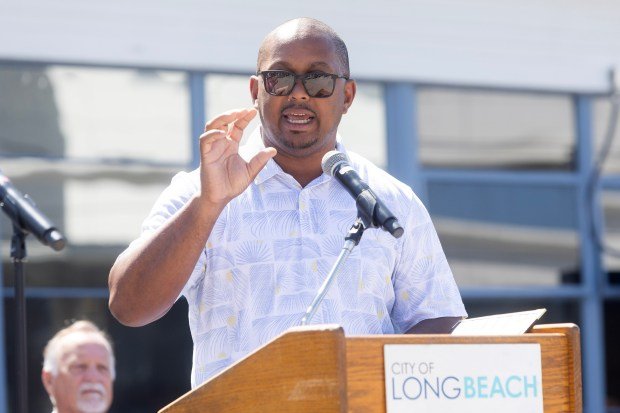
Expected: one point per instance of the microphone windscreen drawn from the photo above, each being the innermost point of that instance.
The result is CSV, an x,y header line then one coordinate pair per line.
x,y
330,160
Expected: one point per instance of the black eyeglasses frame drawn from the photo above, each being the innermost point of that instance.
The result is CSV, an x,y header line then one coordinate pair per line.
x,y
304,77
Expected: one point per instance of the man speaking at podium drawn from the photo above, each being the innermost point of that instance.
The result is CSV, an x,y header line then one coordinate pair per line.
x,y
249,236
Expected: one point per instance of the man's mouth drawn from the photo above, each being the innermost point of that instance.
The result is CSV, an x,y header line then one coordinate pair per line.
x,y
298,120
298,116
92,390
92,393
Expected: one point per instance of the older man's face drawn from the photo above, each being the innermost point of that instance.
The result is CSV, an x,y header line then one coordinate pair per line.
x,y
84,380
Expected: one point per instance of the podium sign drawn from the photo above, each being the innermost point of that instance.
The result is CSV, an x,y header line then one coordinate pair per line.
x,y
445,378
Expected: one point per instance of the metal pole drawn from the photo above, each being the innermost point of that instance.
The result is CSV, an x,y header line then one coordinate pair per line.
x,y
18,253
351,240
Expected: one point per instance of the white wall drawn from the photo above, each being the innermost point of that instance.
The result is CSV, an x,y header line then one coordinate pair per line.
x,y
555,45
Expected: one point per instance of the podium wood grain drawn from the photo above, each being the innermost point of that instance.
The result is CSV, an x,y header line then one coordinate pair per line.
x,y
303,370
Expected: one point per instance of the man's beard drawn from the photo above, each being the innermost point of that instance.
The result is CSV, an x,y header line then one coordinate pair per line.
x,y
297,144
95,400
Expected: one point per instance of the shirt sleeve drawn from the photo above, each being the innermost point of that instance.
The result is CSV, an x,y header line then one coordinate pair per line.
x,y
424,287
181,189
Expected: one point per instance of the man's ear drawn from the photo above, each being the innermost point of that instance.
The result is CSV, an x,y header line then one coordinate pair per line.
x,y
48,380
254,81
349,94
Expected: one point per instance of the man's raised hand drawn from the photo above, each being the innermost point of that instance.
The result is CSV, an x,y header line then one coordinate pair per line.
x,y
223,173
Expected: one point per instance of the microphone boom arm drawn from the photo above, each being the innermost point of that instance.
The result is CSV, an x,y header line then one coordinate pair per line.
x,y
350,241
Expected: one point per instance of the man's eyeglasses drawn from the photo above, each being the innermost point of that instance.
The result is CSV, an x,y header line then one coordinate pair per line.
x,y
282,82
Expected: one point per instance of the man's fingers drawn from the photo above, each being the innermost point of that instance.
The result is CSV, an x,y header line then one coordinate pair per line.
x,y
212,135
221,121
245,120
259,161
225,119
236,129
212,145
207,138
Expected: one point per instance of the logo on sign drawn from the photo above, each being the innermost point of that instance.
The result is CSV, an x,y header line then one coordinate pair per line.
x,y
472,376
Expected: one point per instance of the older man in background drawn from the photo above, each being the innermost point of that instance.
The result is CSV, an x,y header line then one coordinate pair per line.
x,y
78,369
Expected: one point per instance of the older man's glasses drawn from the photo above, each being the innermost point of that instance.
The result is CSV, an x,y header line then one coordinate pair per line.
x,y
282,82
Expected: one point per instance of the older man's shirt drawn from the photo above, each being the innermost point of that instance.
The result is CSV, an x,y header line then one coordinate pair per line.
x,y
272,247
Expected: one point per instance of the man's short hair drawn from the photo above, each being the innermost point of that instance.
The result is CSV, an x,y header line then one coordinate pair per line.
x,y
319,28
52,351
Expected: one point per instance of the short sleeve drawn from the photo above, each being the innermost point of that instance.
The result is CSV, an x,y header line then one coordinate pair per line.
x,y
171,200
424,287
181,189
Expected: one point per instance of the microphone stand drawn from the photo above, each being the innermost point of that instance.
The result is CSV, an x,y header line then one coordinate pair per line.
x,y
367,217
18,254
19,217
351,240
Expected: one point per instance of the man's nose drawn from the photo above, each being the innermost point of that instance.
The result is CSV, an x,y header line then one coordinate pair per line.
x,y
299,91
92,374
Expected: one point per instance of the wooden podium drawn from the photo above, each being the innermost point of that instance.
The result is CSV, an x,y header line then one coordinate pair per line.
x,y
318,369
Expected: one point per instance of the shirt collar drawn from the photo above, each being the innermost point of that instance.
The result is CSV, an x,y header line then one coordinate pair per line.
x,y
255,143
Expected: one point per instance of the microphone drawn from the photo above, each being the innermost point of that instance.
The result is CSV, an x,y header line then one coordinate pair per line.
x,y
26,216
373,211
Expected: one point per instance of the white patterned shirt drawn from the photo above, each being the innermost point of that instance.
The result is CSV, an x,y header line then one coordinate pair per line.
x,y
273,245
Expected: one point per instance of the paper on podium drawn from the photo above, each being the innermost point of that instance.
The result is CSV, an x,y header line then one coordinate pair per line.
x,y
499,325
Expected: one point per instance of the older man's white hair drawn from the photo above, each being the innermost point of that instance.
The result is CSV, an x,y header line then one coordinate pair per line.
x,y
52,352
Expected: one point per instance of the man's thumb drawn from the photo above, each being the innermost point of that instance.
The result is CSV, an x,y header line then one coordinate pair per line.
x,y
259,161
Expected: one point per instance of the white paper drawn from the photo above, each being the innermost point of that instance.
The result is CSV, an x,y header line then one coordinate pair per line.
x,y
499,324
